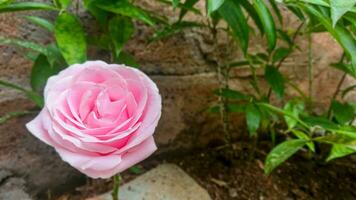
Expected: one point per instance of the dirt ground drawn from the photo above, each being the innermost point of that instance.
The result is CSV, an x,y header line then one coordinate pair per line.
x,y
239,175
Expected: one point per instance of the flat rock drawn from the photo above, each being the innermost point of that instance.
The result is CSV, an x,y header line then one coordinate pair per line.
x,y
165,182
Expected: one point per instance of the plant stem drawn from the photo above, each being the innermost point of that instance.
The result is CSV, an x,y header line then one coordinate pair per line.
x,y
338,87
295,35
116,187
223,83
310,67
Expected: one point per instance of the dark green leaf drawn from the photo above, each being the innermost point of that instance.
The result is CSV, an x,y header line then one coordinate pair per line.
x,y
338,151
125,8
41,22
345,68
236,108
30,94
319,121
280,54
41,71
173,29
99,14
253,118
252,13
189,4
70,38
343,113
24,44
231,94
275,79
121,30
127,59
267,22
284,36
234,16
281,153
276,10
21,6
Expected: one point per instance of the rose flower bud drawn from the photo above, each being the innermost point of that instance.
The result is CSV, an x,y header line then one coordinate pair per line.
x,y
99,117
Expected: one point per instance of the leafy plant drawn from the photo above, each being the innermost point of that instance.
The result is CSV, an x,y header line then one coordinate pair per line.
x,y
302,128
71,38
242,20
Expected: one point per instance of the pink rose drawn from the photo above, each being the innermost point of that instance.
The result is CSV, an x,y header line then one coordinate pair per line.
x,y
99,117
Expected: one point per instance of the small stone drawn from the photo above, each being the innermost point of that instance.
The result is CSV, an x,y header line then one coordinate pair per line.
x,y
14,189
232,192
165,182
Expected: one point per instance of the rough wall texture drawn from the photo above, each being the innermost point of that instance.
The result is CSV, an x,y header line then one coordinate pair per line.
x,y
183,67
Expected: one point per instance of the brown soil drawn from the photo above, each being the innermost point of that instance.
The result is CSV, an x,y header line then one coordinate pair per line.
x,y
228,177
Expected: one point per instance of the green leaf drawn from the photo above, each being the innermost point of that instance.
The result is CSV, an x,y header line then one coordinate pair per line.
x,y
127,59
343,113
294,108
24,44
214,5
188,5
253,118
338,151
70,38
281,153
252,13
5,2
175,3
302,135
338,139
125,8
236,108
30,94
317,2
54,56
280,54
234,16
280,111
231,94
340,33
173,29
339,8
64,3
267,22
121,30
276,10
275,79
41,71
136,169
100,15
43,23
347,90
10,115
22,6
348,69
